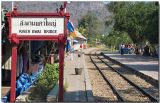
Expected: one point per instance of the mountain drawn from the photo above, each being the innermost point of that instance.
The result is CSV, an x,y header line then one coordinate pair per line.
x,y
77,9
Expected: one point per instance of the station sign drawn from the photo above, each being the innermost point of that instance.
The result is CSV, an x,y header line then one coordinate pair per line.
x,y
37,26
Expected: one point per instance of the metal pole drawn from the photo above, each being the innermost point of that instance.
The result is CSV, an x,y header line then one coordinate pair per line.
x,y
65,4
29,55
13,74
61,66
12,5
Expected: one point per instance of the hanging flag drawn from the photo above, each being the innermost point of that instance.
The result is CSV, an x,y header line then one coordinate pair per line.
x,y
71,29
70,26
79,35
73,34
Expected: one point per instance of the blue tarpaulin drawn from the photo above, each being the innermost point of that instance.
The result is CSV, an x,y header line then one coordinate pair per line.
x,y
24,82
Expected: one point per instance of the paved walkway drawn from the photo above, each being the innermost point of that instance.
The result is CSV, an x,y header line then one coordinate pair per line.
x,y
77,89
144,64
76,84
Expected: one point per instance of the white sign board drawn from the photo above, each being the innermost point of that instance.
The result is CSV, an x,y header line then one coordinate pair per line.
x,y
37,26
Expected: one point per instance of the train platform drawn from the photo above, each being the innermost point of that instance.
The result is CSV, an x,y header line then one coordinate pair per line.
x,y
144,64
78,87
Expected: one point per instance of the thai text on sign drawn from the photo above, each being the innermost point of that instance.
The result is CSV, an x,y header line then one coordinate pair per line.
x,y
37,26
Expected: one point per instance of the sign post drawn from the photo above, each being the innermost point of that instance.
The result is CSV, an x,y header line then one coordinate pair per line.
x,y
13,73
61,67
37,26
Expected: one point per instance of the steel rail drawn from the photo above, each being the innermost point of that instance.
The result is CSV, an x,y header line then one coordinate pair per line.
x,y
152,98
147,78
108,81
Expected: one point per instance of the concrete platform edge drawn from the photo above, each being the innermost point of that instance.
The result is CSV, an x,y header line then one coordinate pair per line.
x,y
142,75
88,87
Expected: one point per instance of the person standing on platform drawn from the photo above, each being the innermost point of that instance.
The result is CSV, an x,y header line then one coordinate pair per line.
x,y
81,47
122,49
146,51
71,50
68,47
136,50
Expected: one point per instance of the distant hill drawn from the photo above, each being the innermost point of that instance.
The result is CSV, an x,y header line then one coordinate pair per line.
x,y
77,9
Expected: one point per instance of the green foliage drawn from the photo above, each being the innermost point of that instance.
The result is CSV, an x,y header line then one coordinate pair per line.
x,y
49,76
90,26
152,20
115,38
46,81
83,31
138,19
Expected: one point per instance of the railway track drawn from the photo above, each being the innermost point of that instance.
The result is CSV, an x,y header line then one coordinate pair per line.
x,y
122,85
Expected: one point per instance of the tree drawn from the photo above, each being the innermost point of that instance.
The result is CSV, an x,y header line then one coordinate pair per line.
x,y
83,31
91,26
115,38
152,20
138,19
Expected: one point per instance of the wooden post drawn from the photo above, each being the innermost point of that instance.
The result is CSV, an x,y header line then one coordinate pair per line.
x,y
61,68
13,74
